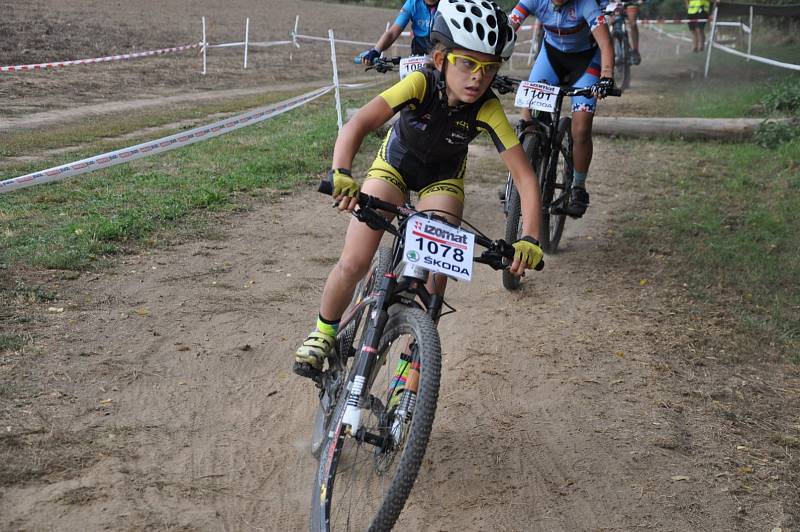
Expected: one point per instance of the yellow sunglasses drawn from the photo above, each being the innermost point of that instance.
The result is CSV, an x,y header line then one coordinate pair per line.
x,y
468,64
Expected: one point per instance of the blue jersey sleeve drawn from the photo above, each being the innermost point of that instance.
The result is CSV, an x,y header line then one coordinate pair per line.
x,y
590,11
405,14
521,11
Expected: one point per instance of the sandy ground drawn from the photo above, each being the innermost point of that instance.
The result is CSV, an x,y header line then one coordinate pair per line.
x,y
161,397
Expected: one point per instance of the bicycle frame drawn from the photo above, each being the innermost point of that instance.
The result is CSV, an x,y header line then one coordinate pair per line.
x,y
394,288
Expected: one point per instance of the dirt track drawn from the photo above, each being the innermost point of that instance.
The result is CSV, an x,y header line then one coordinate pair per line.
x,y
161,397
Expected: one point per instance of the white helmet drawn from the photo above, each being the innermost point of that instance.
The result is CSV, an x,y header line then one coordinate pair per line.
x,y
477,25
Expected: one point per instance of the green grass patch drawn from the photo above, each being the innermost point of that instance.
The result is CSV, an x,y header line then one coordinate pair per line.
x,y
95,133
727,219
78,223
12,342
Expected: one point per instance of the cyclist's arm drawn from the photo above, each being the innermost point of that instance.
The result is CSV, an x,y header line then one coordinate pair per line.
x,y
373,115
369,118
519,14
603,38
528,185
388,37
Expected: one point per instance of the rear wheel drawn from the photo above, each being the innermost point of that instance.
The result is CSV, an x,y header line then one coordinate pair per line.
x,y
622,60
363,480
532,147
556,187
381,264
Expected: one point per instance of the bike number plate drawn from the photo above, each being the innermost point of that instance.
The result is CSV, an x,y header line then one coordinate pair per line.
x,y
413,63
539,96
439,247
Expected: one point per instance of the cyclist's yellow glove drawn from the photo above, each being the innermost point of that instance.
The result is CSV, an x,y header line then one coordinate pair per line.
x,y
343,183
527,250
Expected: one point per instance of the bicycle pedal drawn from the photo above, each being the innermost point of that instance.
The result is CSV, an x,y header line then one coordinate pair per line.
x,y
308,371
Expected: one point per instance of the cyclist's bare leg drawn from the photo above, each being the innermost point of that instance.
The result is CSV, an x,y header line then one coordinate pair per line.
x,y
360,245
633,28
448,206
582,146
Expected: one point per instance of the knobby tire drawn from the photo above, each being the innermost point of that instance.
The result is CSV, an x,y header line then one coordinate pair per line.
x,y
557,181
350,493
531,146
622,60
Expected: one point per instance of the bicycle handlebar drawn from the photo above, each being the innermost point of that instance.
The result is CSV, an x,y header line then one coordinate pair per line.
x,y
506,84
496,250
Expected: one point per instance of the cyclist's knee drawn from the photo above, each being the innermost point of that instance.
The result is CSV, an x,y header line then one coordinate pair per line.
x,y
351,268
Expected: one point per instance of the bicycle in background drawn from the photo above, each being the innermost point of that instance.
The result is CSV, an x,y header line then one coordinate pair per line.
x,y
622,45
547,142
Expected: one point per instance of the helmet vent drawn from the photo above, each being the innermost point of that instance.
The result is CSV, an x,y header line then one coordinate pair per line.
x,y
461,9
491,22
467,24
492,38
455,23
480,31
476,11
487,6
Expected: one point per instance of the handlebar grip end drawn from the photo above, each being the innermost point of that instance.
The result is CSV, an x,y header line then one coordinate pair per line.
x,y
539,267
326,187
616,91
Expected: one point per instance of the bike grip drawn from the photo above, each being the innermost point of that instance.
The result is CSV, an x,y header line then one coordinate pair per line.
x,y
539,267
616,91
326,187
357,59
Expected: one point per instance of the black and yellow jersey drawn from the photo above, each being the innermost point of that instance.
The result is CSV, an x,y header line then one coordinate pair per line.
x,y
434,132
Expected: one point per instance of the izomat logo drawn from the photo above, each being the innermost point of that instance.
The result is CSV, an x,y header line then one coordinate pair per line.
x,y
439,234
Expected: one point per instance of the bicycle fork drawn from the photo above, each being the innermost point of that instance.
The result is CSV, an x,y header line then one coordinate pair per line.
x,y
368,356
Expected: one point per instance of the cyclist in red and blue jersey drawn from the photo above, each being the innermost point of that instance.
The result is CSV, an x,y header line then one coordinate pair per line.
x,y
578,52
420,13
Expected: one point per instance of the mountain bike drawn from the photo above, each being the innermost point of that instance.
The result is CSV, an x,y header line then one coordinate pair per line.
x,y
379,389
622,45
547,142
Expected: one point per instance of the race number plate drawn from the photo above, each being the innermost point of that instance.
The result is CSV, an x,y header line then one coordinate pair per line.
x,y
539,96
439,247
412,63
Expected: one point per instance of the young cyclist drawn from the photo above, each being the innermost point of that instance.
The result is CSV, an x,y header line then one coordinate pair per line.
x,y
577,51
442,110
420,13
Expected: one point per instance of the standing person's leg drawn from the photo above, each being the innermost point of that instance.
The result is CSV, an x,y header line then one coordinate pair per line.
x,y
701,32
692,29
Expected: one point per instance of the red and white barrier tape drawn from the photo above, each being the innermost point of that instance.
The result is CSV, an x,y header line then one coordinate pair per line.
x,y
121,57
153,147
672,20
765,60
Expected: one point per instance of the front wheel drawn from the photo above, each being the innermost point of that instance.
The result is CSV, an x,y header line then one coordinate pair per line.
x,y
532,147
556,185
363,480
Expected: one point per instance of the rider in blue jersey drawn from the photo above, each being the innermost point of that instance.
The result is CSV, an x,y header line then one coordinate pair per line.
x,y
578,52
420,13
